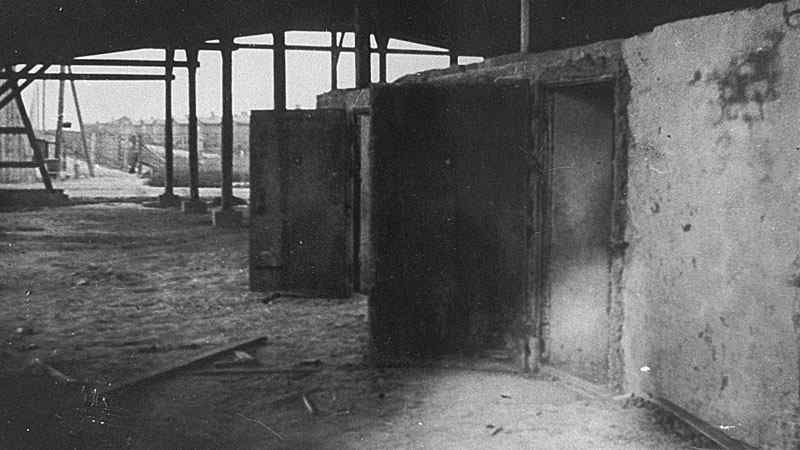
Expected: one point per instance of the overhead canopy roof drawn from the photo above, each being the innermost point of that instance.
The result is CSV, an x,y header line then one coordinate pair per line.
x,y
52,30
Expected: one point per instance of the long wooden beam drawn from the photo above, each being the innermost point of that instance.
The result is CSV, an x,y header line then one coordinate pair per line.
x,y
176,366
8,98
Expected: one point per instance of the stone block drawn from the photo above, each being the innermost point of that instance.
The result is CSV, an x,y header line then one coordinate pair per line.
x,y
194,207
226,218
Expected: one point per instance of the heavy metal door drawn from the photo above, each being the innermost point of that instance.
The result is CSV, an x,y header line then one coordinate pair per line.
x,y
300,235
451,217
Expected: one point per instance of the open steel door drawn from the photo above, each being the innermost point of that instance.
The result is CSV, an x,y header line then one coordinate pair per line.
x,y
451,218
300,233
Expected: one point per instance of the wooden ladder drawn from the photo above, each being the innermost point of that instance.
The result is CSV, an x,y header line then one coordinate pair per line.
x,y
13,89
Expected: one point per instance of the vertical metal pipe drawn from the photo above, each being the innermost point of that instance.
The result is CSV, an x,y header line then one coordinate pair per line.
x,y
168,160
279,70
194,177
525,26
334,62
363,62
227,123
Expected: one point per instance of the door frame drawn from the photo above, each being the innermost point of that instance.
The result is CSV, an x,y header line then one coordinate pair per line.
x,y
542,127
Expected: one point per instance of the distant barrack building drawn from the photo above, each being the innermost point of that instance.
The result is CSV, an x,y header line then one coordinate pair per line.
x,y
209,131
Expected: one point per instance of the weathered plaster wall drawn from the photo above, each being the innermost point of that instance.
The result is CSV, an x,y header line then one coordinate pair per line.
x,y
710,286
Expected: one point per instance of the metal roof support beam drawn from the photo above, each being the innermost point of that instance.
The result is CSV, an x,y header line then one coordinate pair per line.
x,y
226,203
194,175
335,61
525,26
383,43
279,70
363,50
127,63
87,76
169,165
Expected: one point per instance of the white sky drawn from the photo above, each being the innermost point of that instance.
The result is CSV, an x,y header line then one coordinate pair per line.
x,y
307,73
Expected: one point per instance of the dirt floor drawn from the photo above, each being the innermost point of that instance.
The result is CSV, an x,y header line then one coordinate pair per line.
x,y
109,291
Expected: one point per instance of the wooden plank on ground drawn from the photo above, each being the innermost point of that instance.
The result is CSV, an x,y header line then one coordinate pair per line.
x,y
179,365
702,427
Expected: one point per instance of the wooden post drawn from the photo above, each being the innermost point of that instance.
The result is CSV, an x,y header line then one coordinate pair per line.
x,y
334,62
279,70
86,154
60,117
168,149
16,91
525,26
194,176
227,123
363,62
453,58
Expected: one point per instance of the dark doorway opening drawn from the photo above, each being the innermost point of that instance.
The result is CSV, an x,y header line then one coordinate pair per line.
x,y
581,186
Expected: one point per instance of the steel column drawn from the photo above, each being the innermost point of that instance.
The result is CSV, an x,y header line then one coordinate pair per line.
x,y
279,70
334,62
383,43
525,26
194,178
227,123
168,150
363,62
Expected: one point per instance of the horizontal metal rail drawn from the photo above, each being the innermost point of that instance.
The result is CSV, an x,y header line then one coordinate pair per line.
x,y
124,63
323,48
86,76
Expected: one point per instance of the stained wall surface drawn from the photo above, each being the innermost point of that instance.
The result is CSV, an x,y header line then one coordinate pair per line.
x,y
710,281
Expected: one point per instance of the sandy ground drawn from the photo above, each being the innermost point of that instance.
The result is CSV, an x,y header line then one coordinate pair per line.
x,y
105,292
116,184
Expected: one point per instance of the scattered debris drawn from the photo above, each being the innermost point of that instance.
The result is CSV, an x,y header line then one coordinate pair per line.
x,y
183,364
241,358
24,331
51,371
310,407
82,282
267,427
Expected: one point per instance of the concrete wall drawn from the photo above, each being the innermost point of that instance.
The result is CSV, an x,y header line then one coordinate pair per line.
x,y
710,283
707,291
300,233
